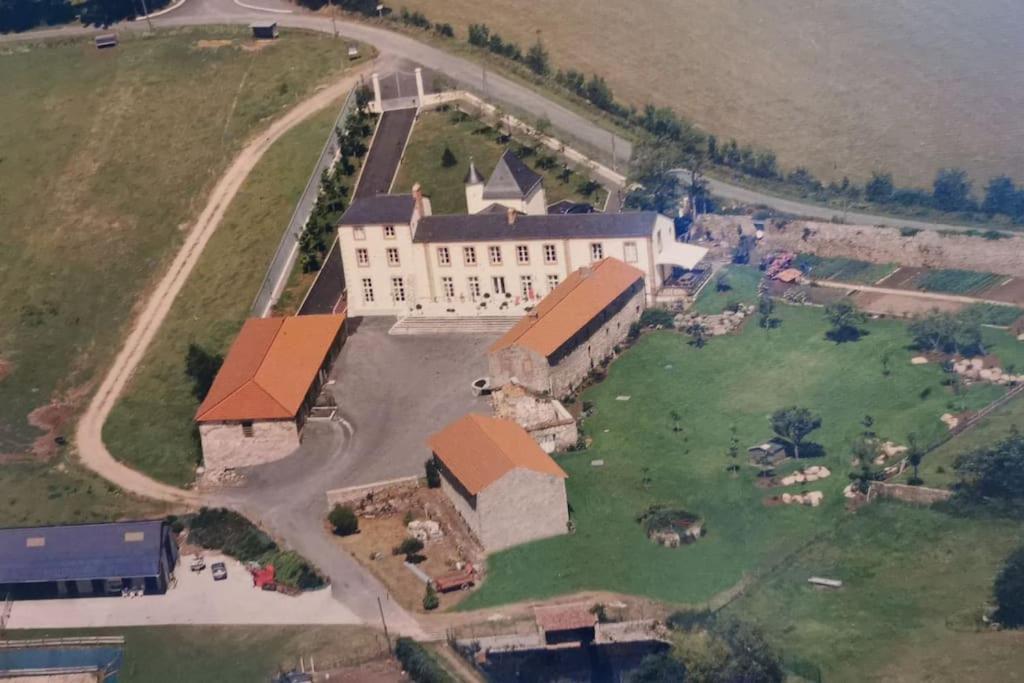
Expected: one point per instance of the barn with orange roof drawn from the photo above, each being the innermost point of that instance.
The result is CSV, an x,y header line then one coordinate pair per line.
x,y
573,330
504,486
258,404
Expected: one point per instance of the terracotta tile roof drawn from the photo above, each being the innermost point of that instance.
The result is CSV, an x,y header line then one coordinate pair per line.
x,y
565,617
479,450
570,306
270,367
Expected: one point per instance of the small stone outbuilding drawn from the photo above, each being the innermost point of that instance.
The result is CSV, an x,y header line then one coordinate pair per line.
x,y
554,347
257,406
504,486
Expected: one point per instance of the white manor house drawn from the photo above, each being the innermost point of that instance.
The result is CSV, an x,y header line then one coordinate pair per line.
x,y
508,251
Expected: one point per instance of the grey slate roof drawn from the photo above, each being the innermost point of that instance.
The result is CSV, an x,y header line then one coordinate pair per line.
x,y
482,227
511,179
473,176
381,209
80,552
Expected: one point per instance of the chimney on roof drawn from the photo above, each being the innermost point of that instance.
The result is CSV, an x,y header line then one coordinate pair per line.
x,y
417,196
511,215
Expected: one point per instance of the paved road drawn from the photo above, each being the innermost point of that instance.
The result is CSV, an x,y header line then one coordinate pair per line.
x,y
469,75
385,152
392,392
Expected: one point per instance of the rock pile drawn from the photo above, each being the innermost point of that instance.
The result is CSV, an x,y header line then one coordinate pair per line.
x,y
424,530
973,369
887,451
812,473
812,498
716,325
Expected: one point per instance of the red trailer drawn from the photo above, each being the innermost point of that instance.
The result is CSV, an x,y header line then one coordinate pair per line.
x,y
461,580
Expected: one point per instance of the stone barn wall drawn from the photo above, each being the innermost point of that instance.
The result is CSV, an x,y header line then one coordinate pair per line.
x,y
528,368
926,249
225,447
522,506
574,368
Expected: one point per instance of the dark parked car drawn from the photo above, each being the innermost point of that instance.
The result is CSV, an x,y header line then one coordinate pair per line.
x,y
219,571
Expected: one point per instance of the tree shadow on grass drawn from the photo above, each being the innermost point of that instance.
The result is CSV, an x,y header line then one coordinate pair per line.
x,y
842,335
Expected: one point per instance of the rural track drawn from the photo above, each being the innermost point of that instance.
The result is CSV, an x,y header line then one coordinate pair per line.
x,y
467,73
89,432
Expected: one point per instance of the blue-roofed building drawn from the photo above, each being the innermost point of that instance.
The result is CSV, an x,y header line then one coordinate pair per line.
x,y
86,559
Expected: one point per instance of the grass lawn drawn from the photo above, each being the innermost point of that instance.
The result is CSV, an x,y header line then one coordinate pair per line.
x,y
61,492
232,654
106,158
737,380
914,582
742,289
422,163
151,426
821,65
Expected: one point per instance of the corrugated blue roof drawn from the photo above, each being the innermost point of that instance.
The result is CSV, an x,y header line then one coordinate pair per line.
x,y
80,552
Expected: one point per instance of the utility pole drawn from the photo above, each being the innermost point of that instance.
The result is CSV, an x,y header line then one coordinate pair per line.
x,y
334,12
484,78
614,160
385,624
145,13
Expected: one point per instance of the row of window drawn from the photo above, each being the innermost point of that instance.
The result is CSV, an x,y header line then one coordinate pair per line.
x,y
473,287
360,233
444,256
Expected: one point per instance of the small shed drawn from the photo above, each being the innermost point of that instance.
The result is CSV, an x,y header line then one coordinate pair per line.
x,y
106,40
768,453
563,624
264,30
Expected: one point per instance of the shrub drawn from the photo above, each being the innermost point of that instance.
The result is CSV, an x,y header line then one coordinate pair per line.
x,y
418,662
654,317
433,473
430,600
908,232
226,530
343,520
448,158
1009,591
408,547
291,569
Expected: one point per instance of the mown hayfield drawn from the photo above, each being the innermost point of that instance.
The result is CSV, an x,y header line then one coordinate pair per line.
x,y
105,159
841,87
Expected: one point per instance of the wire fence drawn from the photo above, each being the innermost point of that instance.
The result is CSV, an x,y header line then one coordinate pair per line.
x,y
288,248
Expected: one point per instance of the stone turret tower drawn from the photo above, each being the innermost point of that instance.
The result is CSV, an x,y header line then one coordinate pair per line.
x,y
474,189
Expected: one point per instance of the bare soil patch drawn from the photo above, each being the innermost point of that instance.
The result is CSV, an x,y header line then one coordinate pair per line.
x,y
902,306
213,44
384,528
256,45
1010,290
5,368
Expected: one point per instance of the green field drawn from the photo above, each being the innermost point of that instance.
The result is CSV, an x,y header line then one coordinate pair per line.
x,y
953,281
106,158
734,381
151,427
915,582
742,282
467,139
232,654
843,269
815,83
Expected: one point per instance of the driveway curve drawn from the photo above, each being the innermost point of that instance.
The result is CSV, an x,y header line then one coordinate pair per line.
x,y
89,433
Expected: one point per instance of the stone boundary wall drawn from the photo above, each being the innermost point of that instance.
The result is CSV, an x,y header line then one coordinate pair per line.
x,y
354,493
915,495
926,249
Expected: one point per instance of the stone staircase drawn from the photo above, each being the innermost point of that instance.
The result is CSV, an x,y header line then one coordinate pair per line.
x,y
480,324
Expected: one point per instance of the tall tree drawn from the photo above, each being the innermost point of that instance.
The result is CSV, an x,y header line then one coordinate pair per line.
x,y
1000,196
845,320
951,190
880,188
793,424
537,59
1009,591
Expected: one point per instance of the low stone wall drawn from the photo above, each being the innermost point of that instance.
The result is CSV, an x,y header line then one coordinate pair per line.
x,y
925,249
915,495
354,493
